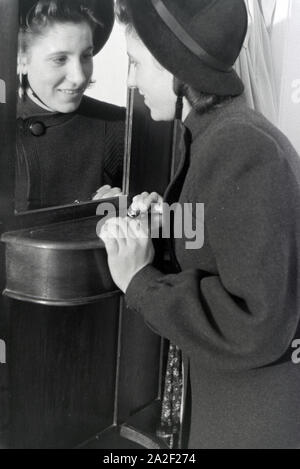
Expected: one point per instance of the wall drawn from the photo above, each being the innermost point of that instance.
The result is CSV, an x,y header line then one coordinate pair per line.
x,y
110,70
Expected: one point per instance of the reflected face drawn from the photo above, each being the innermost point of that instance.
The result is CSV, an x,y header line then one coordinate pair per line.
x,y
59,65
153,81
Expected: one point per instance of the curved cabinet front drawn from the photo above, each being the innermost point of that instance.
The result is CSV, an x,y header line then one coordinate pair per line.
x,y
79,363
61,264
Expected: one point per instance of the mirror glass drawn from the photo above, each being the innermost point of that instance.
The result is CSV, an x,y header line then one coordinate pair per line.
x,y
71,113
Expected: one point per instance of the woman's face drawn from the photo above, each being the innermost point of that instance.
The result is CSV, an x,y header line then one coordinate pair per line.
x,y
154,82
59,65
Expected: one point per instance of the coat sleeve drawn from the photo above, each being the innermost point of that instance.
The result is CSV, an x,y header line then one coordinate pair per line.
x,y
247,314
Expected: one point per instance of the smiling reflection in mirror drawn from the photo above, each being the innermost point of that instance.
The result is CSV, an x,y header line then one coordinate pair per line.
x,y
69,147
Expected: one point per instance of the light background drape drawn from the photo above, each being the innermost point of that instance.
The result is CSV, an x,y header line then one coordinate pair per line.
x,y
269,63
255,63
285,41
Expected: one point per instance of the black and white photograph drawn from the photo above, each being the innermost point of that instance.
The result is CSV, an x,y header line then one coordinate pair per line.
x,y
149,227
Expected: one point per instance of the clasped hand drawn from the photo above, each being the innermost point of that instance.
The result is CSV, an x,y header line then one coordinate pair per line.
x,y
128,243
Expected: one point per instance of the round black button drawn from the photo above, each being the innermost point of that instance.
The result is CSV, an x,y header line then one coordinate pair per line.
x,y
37,129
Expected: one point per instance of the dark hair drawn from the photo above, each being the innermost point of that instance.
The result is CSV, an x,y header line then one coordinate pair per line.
x,y
203,102
200,102
48,12
123,14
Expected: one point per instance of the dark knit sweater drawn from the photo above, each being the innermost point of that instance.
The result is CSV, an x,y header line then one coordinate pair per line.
x,y
234,309
78,153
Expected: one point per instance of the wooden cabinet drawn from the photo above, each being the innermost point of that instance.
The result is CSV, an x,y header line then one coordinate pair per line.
x,y
79,362
81,370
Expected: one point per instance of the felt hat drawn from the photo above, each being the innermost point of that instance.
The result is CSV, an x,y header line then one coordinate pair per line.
x,y
198,41
103,11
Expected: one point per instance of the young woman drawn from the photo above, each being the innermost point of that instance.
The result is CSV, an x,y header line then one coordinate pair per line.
x,y
232,306
68,145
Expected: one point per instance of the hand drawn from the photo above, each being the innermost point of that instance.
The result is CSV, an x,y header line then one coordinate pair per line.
x,y
129,248
142,203
105,192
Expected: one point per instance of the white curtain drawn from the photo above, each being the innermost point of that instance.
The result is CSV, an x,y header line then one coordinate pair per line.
x,y
285,41
255,63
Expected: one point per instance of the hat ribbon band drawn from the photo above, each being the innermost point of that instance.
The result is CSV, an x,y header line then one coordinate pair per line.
x,y
186,39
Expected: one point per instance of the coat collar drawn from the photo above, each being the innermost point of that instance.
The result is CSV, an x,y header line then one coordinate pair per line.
x,y
27,109
197,123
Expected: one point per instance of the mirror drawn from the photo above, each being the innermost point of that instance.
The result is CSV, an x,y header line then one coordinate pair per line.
x,y
71,106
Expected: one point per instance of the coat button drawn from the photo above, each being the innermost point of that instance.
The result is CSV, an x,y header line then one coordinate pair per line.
x,y
37,129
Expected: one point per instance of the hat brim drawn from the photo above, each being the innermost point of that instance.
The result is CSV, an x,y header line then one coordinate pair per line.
x,y
176,58
103,10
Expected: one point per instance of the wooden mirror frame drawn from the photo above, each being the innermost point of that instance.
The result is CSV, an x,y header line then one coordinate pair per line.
x,y
11,220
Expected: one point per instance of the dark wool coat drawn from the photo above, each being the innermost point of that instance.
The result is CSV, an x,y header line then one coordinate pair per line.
x,y
234,309
63,158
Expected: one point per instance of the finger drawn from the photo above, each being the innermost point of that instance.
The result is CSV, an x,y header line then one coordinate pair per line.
x,y
96,197
110,193
113,191
105,187
155,202
131,234
140,239
157,208
102,190
139,197
124,226
138,229
157,205
143,202
138,203
115,229
111,245
107,230
151,198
